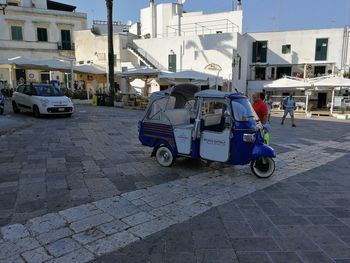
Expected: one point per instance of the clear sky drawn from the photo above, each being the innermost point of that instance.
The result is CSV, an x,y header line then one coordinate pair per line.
x,y
259,15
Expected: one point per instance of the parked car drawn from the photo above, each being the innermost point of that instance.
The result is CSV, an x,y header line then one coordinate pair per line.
x,y
41,99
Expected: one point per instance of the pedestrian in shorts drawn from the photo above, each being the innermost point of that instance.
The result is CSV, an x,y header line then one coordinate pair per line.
x,y
289,107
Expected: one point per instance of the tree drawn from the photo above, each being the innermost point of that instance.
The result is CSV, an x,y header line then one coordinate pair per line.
x,y
109,4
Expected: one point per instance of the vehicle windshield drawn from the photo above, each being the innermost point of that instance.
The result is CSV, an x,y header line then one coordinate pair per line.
x,y
243,110
47,91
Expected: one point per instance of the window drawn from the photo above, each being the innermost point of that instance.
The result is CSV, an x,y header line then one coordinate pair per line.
x,y
172,63
321,49
115,60
13,2
27,90
124,69
319,71
272,73
243,110
286,49
259,51
284,71
240,68
260,73
66,40
16,32
42,34
20,89
81,62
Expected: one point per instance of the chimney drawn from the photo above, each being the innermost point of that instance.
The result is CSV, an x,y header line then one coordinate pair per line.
x,y
239,5
153,19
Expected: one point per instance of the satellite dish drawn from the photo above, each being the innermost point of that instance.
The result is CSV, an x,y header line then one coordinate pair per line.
x,y
181,2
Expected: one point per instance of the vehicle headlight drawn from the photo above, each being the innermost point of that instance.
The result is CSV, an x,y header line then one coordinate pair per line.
x,y
44,102
247,137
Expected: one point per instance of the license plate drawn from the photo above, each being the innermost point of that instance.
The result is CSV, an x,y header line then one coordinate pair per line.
x,y
61,109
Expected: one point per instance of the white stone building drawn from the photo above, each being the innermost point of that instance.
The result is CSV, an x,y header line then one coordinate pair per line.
x,y
299,53
172,40
37,30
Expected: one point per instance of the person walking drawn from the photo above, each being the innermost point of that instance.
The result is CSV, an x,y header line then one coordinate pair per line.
x,y
289,107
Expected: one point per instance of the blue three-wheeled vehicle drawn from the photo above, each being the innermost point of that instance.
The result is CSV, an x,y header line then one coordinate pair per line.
x,y
209,124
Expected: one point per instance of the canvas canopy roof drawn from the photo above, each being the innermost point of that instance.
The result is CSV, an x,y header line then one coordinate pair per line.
x,y
51,64
287,83
212,94
183,93
332,81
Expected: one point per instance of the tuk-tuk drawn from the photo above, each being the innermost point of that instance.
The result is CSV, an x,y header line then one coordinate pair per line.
x,y
212,125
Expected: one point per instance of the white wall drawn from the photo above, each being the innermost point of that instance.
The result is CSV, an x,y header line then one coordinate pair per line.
x,y
166,15
95,47
30,19
303,45
200,51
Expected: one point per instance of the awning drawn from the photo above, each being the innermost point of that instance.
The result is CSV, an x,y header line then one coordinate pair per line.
x,y
52,64
332,81
288,83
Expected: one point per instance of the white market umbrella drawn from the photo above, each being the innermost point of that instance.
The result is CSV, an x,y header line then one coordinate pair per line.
x,y
288,83
332,81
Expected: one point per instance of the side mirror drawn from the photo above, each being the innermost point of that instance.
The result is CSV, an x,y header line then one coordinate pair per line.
x,y
227,114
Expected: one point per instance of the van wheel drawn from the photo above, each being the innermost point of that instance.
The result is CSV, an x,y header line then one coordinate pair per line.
x,y
164,156
263,167
15,108
36,112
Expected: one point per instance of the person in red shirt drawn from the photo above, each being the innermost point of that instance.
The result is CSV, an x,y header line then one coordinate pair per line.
x,y
260,108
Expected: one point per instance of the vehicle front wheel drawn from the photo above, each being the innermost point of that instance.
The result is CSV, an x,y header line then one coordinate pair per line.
x,y
68,115
1,111
164,156
263,167
36,112
15,107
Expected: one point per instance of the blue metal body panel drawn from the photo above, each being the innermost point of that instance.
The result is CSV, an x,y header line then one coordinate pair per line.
x,y
154,135
241,152
262,150
195,149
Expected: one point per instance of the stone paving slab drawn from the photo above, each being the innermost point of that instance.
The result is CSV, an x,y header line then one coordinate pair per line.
x,y
110,224
96,154
242,231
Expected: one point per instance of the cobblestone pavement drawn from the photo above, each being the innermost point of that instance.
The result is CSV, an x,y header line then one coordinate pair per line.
x,y
58,163
86,232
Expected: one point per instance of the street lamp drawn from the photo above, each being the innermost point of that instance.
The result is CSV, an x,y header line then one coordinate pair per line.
x,y
109,4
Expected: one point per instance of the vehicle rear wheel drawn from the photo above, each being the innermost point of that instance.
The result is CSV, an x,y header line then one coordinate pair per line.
x,y
15,107
263,167
164,156
36,112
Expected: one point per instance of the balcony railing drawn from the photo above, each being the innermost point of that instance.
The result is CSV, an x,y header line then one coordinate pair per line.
x,y
66,46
